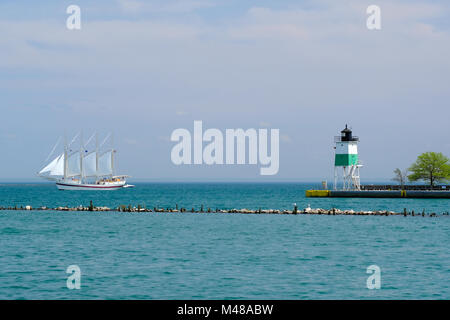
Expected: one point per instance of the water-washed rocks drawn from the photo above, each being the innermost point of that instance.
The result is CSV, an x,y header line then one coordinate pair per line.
x,y
307,211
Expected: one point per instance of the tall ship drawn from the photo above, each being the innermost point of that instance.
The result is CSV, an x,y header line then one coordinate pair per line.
x,y
84,169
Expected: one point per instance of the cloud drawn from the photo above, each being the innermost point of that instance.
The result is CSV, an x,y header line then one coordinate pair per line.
x,y
166,6
287,54
309,69
333,19
412,11
130,5
274,31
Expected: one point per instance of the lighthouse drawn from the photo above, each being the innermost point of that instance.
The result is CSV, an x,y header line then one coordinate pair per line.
x,y
346,162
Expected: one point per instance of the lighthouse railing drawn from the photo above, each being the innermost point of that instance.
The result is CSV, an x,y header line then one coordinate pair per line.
x,y
339,139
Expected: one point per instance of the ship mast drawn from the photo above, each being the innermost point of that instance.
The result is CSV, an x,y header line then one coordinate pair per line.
x,y
112,155
65,156
96,156
81,157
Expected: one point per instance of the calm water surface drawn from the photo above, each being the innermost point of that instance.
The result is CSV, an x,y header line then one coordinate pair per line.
x,y
218,256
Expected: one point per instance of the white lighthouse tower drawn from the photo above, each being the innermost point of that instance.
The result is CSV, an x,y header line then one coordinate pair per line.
x,y
346,163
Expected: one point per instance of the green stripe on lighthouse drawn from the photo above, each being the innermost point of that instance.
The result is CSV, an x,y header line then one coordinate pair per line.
x,y
346,159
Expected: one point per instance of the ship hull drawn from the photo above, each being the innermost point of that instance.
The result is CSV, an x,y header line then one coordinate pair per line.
x,y
90,187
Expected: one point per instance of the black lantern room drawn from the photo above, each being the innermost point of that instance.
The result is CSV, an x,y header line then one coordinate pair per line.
x,y
346,135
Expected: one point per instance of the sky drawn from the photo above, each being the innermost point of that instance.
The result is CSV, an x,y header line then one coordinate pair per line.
x,y
142,69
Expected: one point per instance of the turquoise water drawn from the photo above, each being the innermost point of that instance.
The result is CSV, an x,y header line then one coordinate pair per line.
x,y
218,256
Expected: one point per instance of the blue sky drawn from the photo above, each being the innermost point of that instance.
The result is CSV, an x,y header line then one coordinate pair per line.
x,y
145,68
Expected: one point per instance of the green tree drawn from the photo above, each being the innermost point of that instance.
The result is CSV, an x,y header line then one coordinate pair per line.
x,y
430,167
400,176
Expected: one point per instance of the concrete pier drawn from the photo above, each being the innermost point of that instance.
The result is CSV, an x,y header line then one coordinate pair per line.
x,y
379,194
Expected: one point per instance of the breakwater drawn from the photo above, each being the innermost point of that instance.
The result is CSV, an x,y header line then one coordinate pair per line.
x,y
295,210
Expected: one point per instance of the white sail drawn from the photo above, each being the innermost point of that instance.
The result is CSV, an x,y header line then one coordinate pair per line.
x,y
90,165
54,168
105,164
74,164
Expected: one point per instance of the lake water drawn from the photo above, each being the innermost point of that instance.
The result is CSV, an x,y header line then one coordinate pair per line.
x,y
219,256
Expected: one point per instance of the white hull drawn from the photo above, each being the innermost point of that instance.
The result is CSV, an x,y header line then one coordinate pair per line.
x,y
63,185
